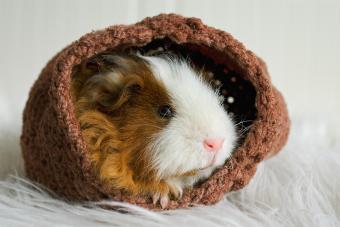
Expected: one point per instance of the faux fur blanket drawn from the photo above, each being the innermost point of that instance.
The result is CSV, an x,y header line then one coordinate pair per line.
x,y
299,187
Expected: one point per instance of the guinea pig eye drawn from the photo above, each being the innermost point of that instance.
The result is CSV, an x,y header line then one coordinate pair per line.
x,y
165,111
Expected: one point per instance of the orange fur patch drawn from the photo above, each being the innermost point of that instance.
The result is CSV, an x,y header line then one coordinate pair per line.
x,y
117,111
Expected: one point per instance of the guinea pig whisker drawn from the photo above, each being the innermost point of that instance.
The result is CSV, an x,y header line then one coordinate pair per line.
x,y
244,127
244,130
242,122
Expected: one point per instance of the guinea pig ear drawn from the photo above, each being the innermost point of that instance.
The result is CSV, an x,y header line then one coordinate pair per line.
x,y
109,92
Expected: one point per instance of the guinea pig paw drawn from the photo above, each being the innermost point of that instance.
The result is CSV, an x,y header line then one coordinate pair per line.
x,y
169,189
155,197
162,198
175,188
176,191
164,201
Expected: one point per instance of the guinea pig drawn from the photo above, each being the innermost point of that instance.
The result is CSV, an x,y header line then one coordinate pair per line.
x,y
154,125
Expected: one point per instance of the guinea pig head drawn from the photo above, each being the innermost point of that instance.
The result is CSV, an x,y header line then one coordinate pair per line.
x,y
170,121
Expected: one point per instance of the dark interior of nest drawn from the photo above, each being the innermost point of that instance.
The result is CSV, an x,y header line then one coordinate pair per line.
x,y
239,94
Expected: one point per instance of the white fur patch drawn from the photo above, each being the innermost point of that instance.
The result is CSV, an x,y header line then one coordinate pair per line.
x,y
198,115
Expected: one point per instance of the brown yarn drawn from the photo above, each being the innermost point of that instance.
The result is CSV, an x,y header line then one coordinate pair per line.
x,y
56,155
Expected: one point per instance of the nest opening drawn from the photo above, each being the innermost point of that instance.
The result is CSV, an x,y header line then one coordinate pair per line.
x,y
238,93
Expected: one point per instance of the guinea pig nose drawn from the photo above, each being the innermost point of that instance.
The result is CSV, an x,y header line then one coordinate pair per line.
x,y
213,145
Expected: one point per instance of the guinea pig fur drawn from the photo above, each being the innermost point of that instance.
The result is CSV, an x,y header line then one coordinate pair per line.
x,y
154,125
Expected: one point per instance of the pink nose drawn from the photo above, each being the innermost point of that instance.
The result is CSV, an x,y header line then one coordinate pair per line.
x,y
212,145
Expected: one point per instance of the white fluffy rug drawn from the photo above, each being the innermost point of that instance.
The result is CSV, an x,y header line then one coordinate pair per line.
x,y
299,187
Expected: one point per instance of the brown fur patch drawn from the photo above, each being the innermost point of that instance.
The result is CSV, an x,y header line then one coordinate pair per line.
x,y
117,111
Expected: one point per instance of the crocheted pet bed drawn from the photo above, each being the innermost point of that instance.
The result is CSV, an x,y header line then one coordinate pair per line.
x,y
56,155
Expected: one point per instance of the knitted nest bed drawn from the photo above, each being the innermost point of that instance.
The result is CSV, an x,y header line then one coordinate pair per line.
x,y
56,155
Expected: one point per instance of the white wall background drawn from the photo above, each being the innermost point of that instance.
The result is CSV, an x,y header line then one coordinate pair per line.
x,y
299,40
